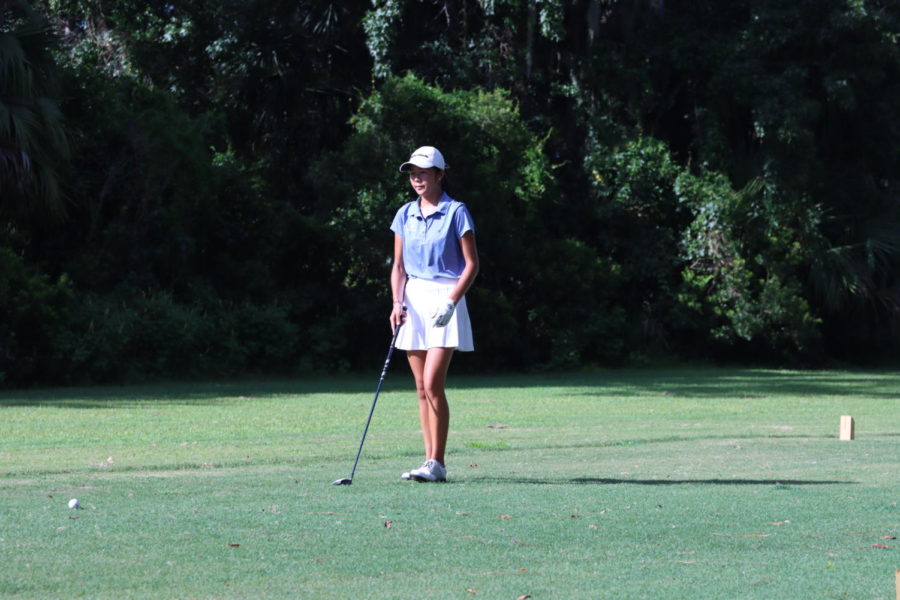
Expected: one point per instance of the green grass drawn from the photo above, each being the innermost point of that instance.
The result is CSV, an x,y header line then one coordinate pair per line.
x,y
622,484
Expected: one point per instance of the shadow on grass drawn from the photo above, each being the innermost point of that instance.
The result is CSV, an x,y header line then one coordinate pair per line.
x,y
776,483
746,384
186,393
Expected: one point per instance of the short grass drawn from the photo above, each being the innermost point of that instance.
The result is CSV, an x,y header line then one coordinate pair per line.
x,y
622,484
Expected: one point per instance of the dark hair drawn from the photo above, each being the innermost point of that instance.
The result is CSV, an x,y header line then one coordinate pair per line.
x,y
445,181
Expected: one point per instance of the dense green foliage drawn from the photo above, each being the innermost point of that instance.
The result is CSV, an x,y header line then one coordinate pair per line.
x,y
206,188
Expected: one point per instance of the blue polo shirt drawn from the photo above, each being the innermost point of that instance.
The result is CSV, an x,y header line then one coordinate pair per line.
x,y
431,246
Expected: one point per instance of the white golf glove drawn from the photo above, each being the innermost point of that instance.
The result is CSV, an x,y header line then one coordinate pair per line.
x,y
443,312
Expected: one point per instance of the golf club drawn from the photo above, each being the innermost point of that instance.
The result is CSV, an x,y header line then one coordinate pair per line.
x,y
387,361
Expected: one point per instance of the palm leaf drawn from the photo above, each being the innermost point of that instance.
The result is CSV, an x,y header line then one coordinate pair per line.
x,y
32,137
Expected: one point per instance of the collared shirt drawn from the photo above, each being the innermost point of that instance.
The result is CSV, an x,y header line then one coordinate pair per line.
x,y
431,247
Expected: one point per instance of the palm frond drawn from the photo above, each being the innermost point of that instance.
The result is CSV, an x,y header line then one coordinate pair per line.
x,y
32,137
865,270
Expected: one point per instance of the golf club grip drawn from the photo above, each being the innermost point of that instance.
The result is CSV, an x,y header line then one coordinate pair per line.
x,y
387,361
397,331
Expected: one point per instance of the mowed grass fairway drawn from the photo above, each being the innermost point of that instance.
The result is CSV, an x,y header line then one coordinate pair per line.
x,y
706,483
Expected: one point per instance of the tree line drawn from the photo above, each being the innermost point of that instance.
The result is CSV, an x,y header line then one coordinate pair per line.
x,y
204,189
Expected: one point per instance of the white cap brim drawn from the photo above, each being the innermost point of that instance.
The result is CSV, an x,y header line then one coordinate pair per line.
x,y
425,157
422,163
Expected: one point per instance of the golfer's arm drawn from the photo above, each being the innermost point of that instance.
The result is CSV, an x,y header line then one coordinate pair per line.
x,y
398,271
470,254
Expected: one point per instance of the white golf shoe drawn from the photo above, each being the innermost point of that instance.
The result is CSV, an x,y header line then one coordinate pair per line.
x,y
406,476
432,470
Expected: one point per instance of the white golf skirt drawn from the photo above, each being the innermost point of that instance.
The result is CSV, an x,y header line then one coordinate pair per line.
x,y
422,299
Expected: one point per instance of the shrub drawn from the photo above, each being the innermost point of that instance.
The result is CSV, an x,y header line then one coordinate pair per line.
x,y
33,308
743,257
152,336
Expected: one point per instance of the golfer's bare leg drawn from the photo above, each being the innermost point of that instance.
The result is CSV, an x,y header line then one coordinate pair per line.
x,y
429,370
437,362
417,366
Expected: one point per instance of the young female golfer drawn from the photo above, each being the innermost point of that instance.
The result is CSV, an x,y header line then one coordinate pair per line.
x,y
435,262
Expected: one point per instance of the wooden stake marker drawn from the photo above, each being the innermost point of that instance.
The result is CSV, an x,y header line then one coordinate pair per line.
x,y
898,584
847,428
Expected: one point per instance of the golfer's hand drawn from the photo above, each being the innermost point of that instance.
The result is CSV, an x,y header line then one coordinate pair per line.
x,y
398,316
443,312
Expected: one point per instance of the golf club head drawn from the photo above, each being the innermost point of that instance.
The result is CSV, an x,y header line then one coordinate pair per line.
x,y
345,481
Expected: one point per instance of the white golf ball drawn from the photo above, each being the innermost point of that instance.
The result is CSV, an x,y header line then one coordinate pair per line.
x,y
73,503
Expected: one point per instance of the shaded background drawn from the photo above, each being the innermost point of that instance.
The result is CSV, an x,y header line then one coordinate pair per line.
x,y
204,189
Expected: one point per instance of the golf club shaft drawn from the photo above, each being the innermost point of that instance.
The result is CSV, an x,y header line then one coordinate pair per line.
x,y
387,362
